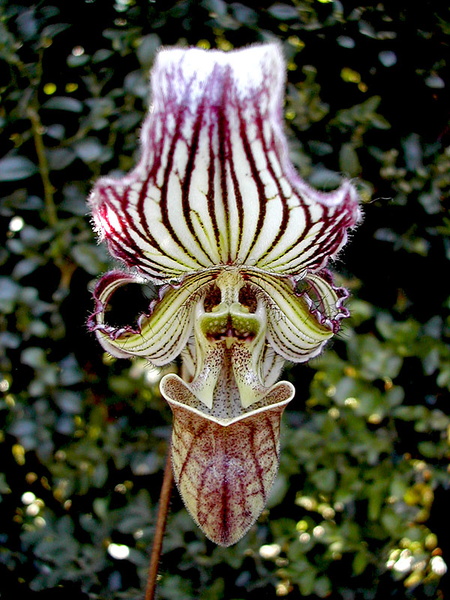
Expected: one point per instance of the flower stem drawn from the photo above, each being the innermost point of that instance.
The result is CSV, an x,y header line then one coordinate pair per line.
x,y
164,500
44,169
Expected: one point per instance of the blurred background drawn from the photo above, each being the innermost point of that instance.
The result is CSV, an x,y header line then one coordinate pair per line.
x,y
360,507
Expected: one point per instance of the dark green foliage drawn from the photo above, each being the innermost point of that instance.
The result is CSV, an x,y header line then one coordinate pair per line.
x,y
360,507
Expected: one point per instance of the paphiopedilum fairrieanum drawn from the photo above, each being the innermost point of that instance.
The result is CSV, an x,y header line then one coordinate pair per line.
x,y
215,215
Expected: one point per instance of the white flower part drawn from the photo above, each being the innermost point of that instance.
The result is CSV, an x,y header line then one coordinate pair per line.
x,y
214,185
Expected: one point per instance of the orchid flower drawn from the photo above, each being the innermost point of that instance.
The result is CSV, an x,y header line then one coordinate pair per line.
x,y
215,215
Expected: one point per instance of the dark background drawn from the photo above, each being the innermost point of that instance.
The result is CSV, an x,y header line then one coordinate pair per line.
x,y
360,507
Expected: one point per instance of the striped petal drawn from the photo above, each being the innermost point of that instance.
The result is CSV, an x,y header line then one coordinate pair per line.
x,y
300,323
214,185
160,335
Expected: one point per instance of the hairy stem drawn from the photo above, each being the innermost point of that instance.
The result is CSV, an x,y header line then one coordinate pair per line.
x,y
164,501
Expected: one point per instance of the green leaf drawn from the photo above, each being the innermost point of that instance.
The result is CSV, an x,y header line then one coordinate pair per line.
x,y
9,293
14,168
56,131
64,103
360,562
69,402
60,158
283,11
78,61
27,266
147,49
348,160
53,30
88,150
34,357
435,82
216,6
92,258
325,479
101,55
325,179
